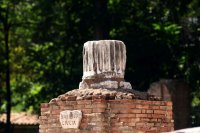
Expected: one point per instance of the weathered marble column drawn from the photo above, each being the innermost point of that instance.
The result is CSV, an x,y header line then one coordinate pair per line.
x,y
104,64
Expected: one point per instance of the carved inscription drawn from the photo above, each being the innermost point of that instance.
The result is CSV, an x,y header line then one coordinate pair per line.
x,y
70,118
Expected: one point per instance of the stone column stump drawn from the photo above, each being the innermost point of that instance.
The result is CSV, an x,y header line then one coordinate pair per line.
x,y
104,65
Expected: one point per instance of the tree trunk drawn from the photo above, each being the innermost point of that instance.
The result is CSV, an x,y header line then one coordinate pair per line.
x,y
8,91
101,20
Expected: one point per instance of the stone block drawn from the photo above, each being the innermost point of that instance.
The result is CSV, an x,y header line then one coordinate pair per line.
x,y
125,85
70,119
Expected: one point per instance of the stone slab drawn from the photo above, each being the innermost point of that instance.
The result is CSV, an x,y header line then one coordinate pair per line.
x,y
70,119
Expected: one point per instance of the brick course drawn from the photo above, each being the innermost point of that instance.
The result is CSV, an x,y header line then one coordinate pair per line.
x,y
109,116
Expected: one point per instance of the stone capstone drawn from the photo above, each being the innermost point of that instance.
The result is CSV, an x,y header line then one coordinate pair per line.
x,y
105,85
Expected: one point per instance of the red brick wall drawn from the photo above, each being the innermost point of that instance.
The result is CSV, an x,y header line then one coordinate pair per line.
x,y
109,116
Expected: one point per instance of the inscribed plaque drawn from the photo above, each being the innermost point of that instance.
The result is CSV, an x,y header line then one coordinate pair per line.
x,y
70,118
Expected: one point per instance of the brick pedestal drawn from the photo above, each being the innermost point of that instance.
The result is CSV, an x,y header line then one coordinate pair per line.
x,y
109,116
108,103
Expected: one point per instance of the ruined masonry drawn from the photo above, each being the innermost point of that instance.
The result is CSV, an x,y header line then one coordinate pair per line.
x,y
104,101
104,65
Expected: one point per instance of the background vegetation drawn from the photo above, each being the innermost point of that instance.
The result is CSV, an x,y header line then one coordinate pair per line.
x,y
41,45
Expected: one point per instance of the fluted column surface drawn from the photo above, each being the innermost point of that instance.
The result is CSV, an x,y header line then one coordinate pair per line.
x,y
104,59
